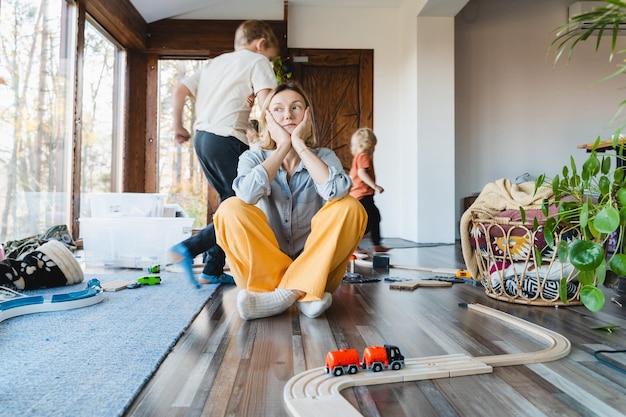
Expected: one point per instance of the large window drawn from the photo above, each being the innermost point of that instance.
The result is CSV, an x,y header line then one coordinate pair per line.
x,y
101,134
180,176
38,52
37,44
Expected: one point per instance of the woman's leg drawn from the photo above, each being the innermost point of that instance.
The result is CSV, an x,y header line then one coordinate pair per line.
x,y
255,259
336,231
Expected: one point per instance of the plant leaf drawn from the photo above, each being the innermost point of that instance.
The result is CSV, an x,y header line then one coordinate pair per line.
x,y
592,298
604,184
607,220
586,277
606,165
548,231
584,215
523,214
618,175
555,184
585,255
539,182
618,264
621,196
591,166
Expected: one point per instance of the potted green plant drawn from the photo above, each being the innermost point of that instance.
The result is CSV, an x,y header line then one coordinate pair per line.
x,y
592,197
592,200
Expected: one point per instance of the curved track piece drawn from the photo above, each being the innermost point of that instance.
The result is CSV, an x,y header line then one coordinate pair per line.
x,y
93,294
313,393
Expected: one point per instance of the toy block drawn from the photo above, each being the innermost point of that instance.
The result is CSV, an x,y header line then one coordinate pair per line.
x,y
116,285
411,285
380,261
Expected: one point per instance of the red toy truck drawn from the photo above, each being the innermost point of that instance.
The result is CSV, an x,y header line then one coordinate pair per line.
x,y
342,361
375,358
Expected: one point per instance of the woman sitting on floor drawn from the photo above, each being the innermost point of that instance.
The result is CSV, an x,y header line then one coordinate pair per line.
x,y
290,230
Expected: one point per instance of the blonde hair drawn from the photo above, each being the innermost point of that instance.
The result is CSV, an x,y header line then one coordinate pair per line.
x,y
251,30
364,140
265,139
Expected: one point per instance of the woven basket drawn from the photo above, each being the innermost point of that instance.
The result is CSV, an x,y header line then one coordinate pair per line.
x,y
514,270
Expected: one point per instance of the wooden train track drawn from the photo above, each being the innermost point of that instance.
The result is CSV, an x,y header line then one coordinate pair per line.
x,y
313,393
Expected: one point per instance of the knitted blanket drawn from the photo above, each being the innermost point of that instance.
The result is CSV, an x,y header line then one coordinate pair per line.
x,y
494,198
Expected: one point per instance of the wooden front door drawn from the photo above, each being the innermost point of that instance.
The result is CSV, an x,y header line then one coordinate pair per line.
x,y
340,83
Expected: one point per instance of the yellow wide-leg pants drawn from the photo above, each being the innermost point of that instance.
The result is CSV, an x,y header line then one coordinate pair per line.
x,y
257,263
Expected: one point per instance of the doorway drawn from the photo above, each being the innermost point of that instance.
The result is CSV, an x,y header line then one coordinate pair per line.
x,y
340,84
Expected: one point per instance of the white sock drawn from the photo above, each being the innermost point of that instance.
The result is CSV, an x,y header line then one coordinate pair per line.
x,y
255,305
313,309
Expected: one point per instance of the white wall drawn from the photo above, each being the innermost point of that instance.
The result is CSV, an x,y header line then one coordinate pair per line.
x,y
461,102
377,29
515,111
435,124
415,155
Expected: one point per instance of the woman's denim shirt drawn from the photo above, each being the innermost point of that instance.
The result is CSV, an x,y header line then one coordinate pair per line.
x,y
289,205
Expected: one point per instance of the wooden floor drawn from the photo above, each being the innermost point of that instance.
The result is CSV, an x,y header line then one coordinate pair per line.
x,y
225,366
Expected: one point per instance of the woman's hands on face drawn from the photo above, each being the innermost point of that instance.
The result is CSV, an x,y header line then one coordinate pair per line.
x,y
277,132
303,130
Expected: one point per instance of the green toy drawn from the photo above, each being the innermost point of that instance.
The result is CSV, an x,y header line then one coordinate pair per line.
x,y
149,280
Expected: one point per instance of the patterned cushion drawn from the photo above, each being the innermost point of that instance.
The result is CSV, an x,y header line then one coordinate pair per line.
x,y
530,287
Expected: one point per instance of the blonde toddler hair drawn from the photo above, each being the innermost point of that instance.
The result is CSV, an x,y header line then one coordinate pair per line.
x,y
363,140
251,30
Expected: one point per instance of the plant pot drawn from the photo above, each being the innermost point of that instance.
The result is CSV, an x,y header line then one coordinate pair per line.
x,y
621,285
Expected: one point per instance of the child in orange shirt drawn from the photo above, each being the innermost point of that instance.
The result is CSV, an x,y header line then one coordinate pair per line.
x,y
364,185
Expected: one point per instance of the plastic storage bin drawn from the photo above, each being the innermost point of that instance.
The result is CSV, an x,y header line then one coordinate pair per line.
x,y
132,242
126,204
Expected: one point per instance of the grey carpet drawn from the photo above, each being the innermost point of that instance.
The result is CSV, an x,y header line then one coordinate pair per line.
x,y
92,361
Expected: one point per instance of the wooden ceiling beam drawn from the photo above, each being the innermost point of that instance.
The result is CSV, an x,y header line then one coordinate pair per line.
x,y
121,20
202,38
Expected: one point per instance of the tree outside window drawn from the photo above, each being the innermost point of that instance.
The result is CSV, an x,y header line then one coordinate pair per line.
x,y
36,56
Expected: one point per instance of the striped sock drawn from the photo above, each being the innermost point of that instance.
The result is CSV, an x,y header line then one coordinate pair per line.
x,y
255,305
